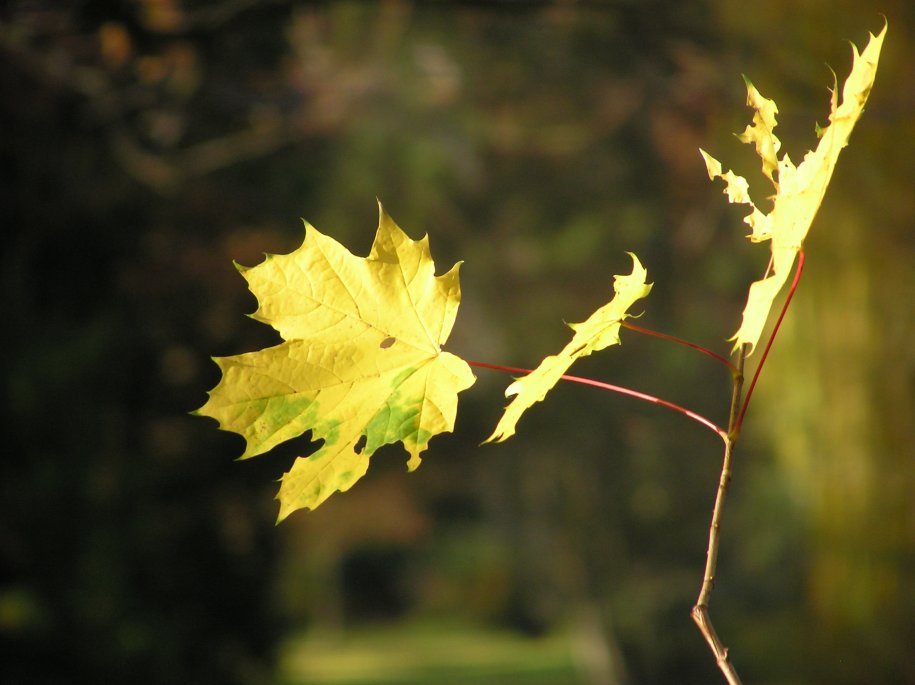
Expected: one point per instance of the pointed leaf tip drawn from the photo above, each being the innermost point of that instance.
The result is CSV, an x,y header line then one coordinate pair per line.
x,y
712,165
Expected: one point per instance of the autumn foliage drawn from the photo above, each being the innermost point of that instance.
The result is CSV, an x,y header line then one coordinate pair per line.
x,y
362,363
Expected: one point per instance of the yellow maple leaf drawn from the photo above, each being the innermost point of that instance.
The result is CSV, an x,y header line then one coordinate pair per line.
x,y
600,330
361,364
798,190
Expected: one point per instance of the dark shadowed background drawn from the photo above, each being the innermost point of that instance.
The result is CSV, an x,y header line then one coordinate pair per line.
x,y
146,144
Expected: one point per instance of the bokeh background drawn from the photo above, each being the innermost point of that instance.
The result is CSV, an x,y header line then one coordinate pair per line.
x,y
146,144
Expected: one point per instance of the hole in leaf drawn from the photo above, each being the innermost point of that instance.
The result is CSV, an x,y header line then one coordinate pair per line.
x,y
300,446
360,444
387,342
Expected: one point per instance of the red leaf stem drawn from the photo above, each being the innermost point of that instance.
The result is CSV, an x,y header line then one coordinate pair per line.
x,y
680,341
778,323
616,388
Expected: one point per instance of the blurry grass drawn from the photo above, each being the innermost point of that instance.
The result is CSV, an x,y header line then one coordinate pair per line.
x,y
423,655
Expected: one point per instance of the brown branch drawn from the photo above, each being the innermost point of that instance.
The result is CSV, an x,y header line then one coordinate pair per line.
x,y
700,611
165,172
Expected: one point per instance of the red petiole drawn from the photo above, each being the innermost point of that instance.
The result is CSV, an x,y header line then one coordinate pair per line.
x,y
680,341
616,388
778,323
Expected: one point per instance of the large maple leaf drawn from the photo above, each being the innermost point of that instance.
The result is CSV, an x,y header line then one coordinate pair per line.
x,y
361,364
798,190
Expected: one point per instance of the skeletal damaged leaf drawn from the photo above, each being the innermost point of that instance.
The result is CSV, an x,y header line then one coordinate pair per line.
x,y
799,190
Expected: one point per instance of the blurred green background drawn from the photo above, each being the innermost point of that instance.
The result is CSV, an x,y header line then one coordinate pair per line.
x,y
147,144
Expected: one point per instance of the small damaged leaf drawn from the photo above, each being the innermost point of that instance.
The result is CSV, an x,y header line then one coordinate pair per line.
x,y
599,331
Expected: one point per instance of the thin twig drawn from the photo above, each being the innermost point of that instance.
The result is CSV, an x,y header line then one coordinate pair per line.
x,y
738,410
700,611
